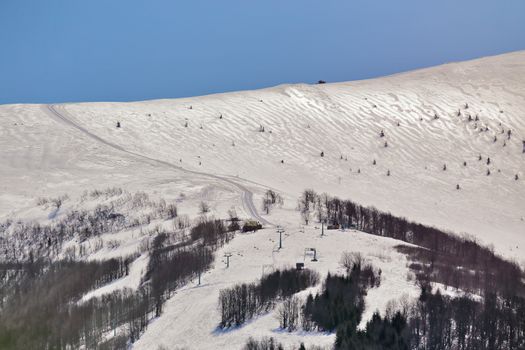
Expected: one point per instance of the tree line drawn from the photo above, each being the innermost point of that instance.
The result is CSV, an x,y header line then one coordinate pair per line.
x,y
341,302
22,241
40,305
269,343
442,248
212,232
338,307
431,322
495,320
244,301
438,322
168,269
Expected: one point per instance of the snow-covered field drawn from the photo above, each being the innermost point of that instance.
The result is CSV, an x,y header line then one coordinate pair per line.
x,y
213,149
191,317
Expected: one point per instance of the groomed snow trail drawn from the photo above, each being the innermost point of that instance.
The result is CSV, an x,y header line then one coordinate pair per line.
x,y
246,194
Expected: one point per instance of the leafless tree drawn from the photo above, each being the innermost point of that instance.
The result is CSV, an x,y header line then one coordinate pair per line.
x,y
350,259
288,314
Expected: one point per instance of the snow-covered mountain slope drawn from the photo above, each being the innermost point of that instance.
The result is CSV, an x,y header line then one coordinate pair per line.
x,y
227,149
61,148
192,317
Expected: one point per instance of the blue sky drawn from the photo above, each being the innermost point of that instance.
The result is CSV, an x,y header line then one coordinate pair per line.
x,y
121,50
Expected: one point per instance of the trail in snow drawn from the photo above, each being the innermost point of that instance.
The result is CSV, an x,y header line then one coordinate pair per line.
x,y
246,194
43,158
221,135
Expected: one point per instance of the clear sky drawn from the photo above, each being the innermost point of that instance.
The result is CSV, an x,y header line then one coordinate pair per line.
x,y
121,50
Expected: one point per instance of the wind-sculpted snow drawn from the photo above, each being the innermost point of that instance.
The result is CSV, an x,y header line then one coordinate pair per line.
x,y
441,146
246,194
219,135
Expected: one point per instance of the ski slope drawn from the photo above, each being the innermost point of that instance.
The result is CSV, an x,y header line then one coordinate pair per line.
x,y
191,317
300,122
345,119
212,148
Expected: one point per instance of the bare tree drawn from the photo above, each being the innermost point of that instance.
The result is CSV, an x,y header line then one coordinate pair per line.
x,y
350,259
288,314
270,199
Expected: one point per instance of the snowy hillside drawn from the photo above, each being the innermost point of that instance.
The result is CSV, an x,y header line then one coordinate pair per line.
x,y
300,122
442,146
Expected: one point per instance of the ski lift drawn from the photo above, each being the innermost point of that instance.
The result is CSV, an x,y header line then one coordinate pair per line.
x,y
309,251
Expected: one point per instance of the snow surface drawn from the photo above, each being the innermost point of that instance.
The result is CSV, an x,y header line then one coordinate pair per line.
x,y
191,316
132,280
183,151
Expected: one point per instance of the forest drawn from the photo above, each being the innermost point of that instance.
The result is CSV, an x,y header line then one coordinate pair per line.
x,y
490,314
476,267
41,288
431,322
41,292
242,302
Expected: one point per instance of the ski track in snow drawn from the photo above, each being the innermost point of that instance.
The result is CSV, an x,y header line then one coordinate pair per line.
x,y
247,195
345,119
194,152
